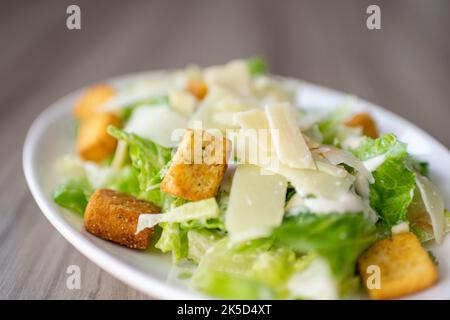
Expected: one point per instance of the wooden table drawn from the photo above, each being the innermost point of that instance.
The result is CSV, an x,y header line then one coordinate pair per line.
x,y
404,67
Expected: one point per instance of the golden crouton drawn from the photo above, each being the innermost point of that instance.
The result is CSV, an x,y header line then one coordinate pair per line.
x,y
404,266
365,121
93,142
197,88
92,99
198,166
113,216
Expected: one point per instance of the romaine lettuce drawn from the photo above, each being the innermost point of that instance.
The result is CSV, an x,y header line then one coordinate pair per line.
x,y
261,269
173,239
72,195
148,158
339,238
198,210
393,189
257,66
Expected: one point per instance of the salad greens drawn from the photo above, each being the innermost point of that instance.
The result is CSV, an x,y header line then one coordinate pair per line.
x,y
339,238
393,189
340,191
257,66
72,195
148,158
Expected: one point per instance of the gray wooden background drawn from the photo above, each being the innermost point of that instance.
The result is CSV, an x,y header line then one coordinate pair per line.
x,y
404,67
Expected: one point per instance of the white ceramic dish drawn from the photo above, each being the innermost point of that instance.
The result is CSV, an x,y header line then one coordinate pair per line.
x,y
51,136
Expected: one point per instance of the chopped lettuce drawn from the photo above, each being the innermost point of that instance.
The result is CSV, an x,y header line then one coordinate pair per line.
x,y
255,264
393,189
124,179
148,158
314,282
200,241
419,166
339,238
176,225
230,286
332,126
173,239
257,66
72,195
198,210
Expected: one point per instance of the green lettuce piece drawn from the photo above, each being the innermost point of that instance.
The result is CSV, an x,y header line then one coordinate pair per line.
x,y
257,265
194,217
148,158
210,224
73,195
229,286
339,238
198,210
393,189
200,241
332,126
422,167
257,66
124,180
173,239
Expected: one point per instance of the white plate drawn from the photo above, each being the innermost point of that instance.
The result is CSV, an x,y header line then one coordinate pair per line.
x,y
52,135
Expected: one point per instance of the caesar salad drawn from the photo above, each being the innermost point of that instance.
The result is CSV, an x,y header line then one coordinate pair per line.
x,y
224,170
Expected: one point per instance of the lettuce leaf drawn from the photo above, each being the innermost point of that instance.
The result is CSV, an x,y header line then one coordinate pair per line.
x,y
149,159
176,225
419,166
339,238
257,66
200,241
229,286
198,211
332,128
73,195
256,269
173,239
393,189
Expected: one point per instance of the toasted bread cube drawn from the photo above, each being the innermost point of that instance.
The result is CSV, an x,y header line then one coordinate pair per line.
x,y
405,267
365,121
92,99
114,216
197,88
198,166
93,142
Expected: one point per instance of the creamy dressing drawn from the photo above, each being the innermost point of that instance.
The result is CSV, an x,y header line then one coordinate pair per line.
x,y
352,142
402,227
373,163
314,282
347,202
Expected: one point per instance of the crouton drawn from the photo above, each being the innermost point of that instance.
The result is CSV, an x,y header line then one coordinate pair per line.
x,y
198,166
365,121
93,142
92,99
114,216
404,266
197,88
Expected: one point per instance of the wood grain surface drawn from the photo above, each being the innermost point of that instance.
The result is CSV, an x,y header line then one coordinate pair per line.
x,y
404,67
